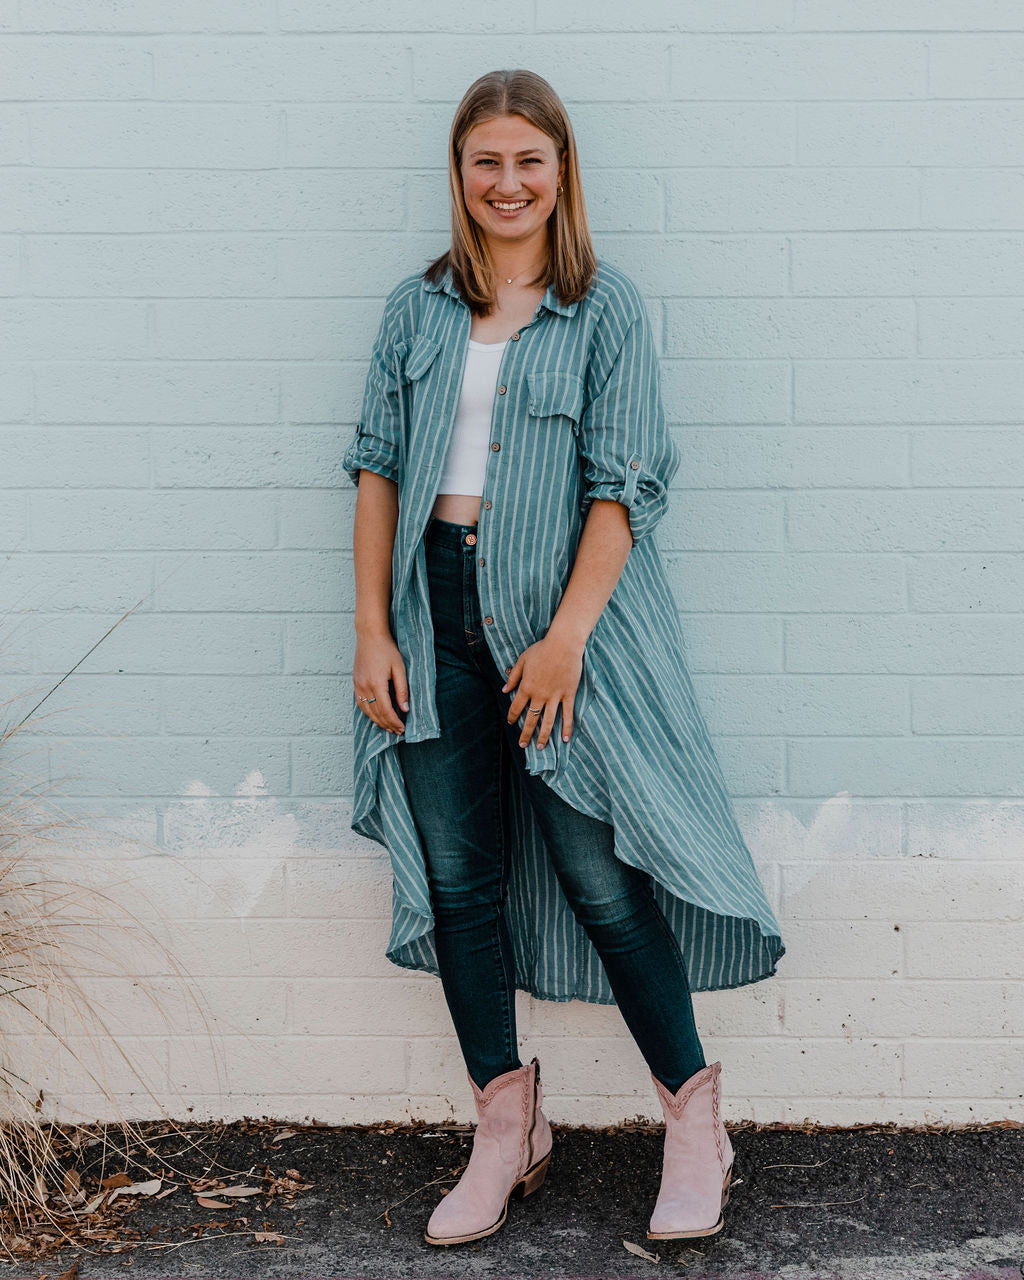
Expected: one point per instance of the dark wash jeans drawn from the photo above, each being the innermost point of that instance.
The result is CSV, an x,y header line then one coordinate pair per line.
x,y
453,783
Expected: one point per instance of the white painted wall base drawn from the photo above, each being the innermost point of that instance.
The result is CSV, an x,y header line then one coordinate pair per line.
x,y
900,997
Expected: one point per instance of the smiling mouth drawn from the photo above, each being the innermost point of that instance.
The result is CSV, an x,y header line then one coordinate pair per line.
x,y
508,206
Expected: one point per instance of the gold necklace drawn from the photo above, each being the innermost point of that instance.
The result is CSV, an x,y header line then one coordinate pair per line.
x,y
509,279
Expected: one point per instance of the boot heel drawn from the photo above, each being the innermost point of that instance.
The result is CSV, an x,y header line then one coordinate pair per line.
x,y
533,1177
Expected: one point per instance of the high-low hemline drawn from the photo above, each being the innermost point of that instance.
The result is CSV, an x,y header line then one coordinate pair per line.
x,y
742,950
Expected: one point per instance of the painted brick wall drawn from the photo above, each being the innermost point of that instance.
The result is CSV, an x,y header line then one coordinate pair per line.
x,y
202,208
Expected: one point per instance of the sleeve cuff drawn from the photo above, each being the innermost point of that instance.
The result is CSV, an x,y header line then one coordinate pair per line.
x,y
362,455
642,495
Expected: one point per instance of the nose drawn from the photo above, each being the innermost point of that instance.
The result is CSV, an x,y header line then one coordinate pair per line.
x,y
506,182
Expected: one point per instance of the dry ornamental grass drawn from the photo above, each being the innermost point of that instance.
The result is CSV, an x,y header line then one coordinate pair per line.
x,y
64,943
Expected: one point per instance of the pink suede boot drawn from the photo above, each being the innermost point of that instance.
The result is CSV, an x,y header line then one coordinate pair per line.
x,y
511,1150
698,1159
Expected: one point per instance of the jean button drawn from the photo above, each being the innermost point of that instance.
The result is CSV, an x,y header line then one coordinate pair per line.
x,y
488,619
471,539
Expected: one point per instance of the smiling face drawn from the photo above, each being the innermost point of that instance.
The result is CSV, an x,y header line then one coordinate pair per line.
x,y
510,176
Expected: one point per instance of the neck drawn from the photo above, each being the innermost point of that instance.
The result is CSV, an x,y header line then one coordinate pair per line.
x,y
521,263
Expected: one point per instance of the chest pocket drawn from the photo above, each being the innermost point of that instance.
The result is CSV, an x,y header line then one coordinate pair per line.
x,y
415,356
555,393
412,358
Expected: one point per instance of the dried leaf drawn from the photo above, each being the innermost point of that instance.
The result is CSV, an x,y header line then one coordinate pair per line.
x,y
137,1189
268,1237
116,1180
285,1133
204,1203
239,1191
641,1253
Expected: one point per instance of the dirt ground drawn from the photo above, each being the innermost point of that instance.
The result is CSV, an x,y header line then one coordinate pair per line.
x,y
255,1199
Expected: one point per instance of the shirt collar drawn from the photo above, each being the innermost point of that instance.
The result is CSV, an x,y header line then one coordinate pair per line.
x,y
550,299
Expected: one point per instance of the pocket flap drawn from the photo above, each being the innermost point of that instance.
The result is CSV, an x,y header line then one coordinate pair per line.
x,y
555,391
422,354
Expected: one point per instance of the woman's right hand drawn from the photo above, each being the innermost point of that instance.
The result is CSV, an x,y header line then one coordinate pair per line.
x,y
379,661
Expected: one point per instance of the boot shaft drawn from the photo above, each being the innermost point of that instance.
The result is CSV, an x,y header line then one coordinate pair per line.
x,y
509,1115
693,1114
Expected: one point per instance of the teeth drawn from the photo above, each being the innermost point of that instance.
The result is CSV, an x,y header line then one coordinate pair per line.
x,y
519,204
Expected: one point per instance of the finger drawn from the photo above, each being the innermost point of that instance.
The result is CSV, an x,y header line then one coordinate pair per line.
x,y
513,675
366,705
401,684
515,709
528,727
567,718
366,699
547,720
389,717
380,710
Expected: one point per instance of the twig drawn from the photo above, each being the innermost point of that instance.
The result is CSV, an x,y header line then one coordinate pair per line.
x,y
815,1164
77,664
223,1235
396,1203
815,1204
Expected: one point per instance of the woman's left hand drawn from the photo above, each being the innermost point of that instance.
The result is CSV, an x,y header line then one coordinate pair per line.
x,y
548,674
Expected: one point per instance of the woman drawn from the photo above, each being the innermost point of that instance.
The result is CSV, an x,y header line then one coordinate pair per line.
x,y
527,742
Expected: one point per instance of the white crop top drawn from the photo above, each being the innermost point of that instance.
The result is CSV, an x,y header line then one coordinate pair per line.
x,y
466,460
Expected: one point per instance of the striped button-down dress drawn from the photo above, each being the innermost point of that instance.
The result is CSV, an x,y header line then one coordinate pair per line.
x,y
578,415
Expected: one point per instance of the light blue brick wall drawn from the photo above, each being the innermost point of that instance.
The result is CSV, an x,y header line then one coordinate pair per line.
x,y
202,206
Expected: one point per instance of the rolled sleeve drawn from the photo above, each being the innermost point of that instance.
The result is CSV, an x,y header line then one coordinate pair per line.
x,y
628,451
375,444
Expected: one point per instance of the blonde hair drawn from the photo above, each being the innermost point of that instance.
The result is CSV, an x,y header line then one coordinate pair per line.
x,y
571,261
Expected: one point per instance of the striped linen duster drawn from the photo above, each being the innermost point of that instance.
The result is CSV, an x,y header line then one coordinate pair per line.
x,y
578,415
